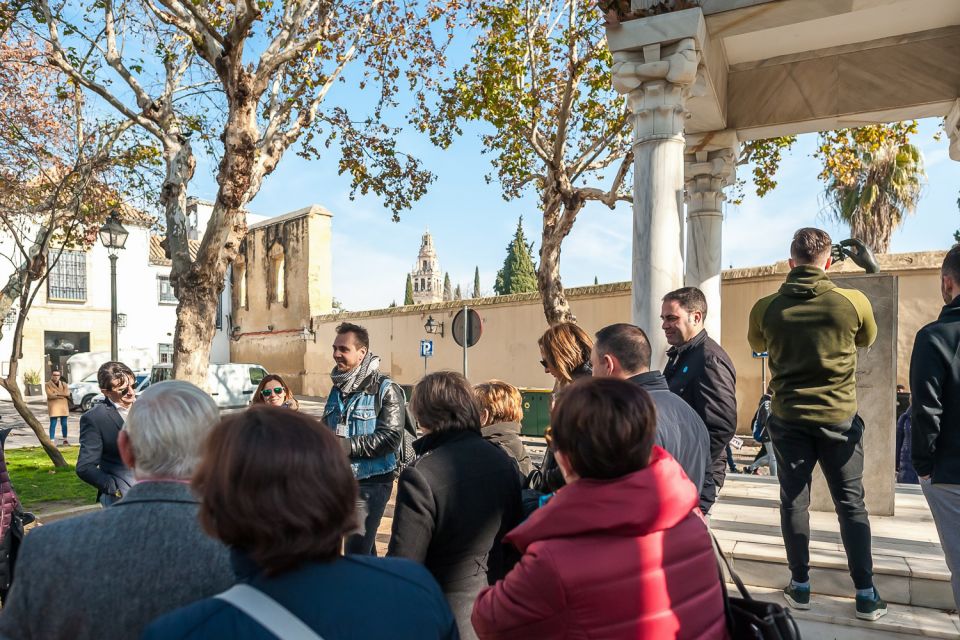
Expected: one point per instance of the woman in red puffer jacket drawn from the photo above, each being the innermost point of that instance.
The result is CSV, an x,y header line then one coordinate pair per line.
x,y
621,551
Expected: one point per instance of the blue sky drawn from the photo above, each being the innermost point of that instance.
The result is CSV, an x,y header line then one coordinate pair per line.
x,y
472,224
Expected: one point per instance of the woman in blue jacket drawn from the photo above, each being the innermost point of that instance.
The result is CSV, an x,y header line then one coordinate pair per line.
x,y
276,488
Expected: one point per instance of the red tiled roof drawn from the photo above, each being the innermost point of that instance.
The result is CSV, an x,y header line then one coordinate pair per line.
x,y
134,216
159,258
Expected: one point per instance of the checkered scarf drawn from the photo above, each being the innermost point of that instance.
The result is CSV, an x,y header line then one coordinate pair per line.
x,y
350,381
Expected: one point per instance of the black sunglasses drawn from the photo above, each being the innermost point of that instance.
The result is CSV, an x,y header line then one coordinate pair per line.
x,y
269,392
122,390
543,363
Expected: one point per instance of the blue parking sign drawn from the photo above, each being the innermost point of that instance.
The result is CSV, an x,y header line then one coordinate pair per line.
x,y
426,348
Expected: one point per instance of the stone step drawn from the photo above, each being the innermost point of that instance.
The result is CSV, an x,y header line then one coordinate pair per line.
x,y
833,618
909,568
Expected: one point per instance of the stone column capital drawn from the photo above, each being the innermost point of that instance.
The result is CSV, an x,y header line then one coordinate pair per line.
x,y
710,163
952,125
657,81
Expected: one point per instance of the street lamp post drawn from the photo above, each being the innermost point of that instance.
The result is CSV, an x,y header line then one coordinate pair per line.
x,y
432,326
114,237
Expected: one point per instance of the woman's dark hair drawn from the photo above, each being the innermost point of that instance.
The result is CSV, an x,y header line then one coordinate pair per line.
x,y
444,401
275,484
258,395
604,426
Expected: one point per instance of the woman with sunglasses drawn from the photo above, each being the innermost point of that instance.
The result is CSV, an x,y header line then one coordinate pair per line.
x,y
565,354
274,391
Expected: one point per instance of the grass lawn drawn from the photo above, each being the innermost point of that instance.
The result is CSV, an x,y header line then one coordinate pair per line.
x,y
43,487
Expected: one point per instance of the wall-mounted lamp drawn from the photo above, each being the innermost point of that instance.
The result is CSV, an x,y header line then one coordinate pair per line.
x,y
432,326
307,335
121,320
235,333
269,327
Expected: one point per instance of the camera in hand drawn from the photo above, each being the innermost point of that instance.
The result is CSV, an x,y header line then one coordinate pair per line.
x,y
856,250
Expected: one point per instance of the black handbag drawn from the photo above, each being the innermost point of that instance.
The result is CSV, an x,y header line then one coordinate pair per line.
x,y
749,619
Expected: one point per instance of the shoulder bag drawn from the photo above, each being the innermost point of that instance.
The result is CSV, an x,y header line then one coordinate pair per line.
x,y
269,613
749,619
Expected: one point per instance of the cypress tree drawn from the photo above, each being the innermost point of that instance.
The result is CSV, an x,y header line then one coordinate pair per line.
x,y
476,282
519,273
457,294
447,291
408,296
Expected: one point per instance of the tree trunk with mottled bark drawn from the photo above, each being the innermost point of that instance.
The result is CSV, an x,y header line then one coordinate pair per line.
x,y
199,285
10,382
558,220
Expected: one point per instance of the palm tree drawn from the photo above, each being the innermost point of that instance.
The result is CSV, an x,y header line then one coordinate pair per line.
x,y
875,197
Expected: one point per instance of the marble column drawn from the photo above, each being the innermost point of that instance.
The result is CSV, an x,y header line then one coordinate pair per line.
x,y
952,126
710,163
657,80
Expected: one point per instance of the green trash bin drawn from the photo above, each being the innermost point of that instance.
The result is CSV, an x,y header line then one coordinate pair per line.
x,y
536,411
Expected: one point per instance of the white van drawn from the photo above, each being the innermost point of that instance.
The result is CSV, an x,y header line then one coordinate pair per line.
x,y
82,367
231,385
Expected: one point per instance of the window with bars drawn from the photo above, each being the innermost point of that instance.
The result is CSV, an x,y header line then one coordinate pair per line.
x,y
67,280
165,290
165,353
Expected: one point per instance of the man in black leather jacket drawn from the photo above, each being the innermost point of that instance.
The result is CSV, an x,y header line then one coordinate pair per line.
x,y
366,410
701,372
935,385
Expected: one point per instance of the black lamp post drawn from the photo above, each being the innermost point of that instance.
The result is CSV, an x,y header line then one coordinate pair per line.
x,y
432,326
114,237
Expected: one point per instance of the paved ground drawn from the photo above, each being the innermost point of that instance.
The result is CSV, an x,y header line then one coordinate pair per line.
x,y
22,435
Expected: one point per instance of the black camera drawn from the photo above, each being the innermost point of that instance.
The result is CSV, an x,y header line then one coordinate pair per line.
x,y
856,250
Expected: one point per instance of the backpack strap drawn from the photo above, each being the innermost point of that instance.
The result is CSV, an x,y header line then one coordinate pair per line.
x,y
269,613
384,385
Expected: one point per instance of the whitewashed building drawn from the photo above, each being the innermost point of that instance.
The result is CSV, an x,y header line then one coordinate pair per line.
x,y
71,313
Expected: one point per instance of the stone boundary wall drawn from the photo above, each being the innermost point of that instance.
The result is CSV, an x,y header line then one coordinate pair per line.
x,y
508,348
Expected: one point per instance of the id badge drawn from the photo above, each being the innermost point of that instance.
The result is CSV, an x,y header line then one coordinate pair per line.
x,y
342,430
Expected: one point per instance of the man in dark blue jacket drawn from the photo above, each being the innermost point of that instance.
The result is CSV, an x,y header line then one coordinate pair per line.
x,y
99,463
623,351
935,385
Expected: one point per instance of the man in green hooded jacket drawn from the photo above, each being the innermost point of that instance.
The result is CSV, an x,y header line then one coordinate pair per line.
x,y
811,330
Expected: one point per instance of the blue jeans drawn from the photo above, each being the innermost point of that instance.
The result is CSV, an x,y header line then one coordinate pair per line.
x,y
53,426
371,505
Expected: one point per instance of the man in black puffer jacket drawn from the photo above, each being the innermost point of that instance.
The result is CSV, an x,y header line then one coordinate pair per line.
x,y
701,372
935,385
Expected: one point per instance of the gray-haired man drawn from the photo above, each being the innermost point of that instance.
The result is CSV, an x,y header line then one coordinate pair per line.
x,y
108,574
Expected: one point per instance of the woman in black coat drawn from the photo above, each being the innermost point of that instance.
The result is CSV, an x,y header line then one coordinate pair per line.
x,y
459,497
